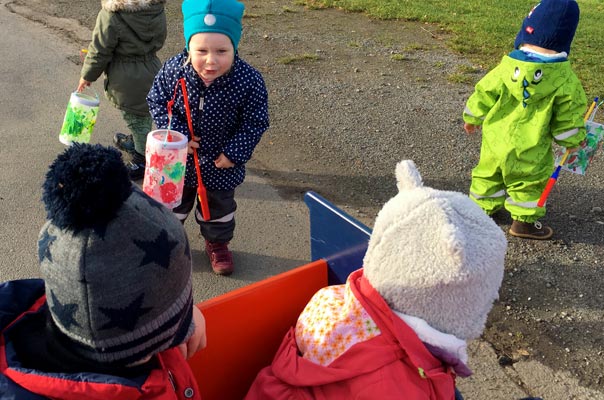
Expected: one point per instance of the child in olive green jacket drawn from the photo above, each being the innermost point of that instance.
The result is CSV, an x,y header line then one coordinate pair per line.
x,y
125,41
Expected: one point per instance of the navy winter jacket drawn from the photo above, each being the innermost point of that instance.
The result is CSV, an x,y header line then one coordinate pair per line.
x,y
230,116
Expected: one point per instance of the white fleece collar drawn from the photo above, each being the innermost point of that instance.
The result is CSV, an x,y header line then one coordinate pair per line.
x,y
447,342
128,5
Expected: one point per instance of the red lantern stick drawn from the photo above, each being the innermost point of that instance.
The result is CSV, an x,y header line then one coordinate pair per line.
x,y
552,180
201,189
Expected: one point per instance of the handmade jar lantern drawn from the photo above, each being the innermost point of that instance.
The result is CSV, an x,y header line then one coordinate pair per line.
x,y
166,161
80,118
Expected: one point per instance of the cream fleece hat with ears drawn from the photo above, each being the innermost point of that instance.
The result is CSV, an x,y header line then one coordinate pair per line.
x,y
436,255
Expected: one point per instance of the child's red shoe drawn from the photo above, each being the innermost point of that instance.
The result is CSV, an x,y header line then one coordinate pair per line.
x,y
220,258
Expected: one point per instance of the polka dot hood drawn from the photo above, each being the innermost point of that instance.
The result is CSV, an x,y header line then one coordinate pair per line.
x,y
230,116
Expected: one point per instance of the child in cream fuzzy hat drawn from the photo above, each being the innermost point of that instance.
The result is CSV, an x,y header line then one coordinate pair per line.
x,y
398,327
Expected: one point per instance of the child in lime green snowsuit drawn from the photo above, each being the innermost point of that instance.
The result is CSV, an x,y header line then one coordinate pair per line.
x,y
529,100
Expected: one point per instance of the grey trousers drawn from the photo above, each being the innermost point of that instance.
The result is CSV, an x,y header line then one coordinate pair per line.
x,y
222,213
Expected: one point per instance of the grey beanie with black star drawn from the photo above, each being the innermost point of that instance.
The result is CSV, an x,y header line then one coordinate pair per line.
x,y
116,263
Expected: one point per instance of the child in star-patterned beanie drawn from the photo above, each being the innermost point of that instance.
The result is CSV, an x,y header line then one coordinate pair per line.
x,y
115,311
398,327
224,117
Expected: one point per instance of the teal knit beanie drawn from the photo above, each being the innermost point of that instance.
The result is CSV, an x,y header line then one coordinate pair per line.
x,y
221,16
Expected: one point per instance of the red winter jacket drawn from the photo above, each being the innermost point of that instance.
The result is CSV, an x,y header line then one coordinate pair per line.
x,y
25,299
393,365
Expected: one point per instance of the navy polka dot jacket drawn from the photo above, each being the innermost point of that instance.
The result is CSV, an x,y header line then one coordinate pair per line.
x,y
230,116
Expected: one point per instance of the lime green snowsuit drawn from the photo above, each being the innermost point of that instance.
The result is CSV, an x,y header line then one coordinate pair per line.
x,y
522,106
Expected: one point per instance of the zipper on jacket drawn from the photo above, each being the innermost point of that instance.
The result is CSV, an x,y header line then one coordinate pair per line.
x,y
171,379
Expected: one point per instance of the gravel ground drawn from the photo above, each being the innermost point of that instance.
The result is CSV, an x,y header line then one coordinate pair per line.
x,y
351,96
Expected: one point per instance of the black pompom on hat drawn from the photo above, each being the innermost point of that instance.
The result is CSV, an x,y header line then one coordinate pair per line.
x,y
116,263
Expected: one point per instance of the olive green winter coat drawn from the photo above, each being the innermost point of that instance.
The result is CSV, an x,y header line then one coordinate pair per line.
x,y
523,107
125,41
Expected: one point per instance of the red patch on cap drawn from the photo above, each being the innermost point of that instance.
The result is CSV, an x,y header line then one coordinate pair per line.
x,y
529,30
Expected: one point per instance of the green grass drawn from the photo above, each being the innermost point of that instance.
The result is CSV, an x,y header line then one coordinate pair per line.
x,y
398,57
458,77
464,74
484,30
415,47
298,58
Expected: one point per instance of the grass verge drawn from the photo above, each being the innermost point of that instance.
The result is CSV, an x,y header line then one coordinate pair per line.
x,y
484,30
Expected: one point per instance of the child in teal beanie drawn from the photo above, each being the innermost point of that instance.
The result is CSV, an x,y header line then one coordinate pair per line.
x,y
228,113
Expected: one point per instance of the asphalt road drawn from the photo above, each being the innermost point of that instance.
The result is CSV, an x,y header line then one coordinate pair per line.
x,y
37,77
39,72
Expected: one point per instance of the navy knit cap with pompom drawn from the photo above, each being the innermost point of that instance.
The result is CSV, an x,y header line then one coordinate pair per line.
x,y
116,263
85,186
551,24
